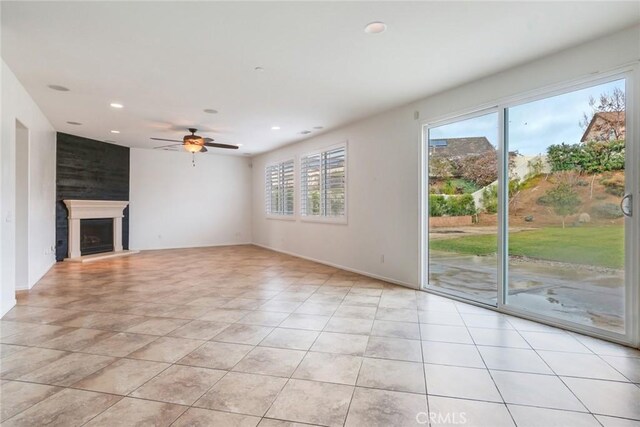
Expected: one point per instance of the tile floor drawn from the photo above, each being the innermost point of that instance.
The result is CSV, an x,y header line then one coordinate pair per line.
x,y
243,336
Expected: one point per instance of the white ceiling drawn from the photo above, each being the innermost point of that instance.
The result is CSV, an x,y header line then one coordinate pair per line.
x,y
167,61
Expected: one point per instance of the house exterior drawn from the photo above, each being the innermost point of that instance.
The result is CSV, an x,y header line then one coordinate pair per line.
x,y
457,148
605,126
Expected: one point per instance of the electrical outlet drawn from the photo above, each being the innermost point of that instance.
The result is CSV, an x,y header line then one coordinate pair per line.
x,y
382,259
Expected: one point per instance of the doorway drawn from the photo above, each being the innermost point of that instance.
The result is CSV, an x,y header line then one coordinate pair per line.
x,y
528,208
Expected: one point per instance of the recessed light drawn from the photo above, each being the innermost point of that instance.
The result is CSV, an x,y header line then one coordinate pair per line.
x,y
375,27
115,131
259,69
275,127
116,105
318,127
75,123
59,88
210,111
305,132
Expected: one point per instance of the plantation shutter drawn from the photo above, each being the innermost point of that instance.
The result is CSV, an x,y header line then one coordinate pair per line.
x,y
279,188
287,187
323,183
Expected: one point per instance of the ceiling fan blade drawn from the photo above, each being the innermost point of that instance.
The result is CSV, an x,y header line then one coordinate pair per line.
x,y
163,139
208,139
167,146
203,150
215,145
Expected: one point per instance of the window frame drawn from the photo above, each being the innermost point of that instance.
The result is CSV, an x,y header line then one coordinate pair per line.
x,y
280,215
342,219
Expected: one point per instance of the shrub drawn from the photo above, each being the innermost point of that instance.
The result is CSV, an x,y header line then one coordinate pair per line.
x,y
535,167
461,205
437,205
614,185
592,157
606,211
490,195
543,200
490,199
451,206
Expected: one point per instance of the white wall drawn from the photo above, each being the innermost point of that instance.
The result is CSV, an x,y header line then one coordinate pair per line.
x,y
176,205
18,105
384,165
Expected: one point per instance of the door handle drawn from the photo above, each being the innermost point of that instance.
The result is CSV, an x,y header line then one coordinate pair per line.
x,y
626,205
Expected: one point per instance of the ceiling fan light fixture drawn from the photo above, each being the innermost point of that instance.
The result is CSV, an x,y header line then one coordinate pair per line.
x,y
192,148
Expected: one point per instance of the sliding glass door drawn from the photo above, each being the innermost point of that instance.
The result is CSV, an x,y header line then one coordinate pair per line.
x,y
528,207
462,207
567,181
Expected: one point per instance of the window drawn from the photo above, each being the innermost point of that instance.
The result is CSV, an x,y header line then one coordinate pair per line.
x,y
323,179
279,188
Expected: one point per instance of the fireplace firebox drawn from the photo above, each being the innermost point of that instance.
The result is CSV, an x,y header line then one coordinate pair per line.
x,y
96,235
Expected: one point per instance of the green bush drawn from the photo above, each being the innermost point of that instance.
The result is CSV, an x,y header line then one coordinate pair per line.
x,y
451,206
591,157
543,200
490,199
490,195
606,211
437,205
461,205
614,185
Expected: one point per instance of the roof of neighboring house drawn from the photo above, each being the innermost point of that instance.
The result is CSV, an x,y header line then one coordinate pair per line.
x,y
459,147
607,116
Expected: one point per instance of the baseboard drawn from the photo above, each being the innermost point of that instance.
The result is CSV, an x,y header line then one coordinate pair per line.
x,y
6,306
212,245
341,267
32,283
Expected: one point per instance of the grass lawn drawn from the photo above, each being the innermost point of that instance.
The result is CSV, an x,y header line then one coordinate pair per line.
x,y
601,246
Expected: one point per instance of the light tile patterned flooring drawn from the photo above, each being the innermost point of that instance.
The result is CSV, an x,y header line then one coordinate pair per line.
x,y
243,336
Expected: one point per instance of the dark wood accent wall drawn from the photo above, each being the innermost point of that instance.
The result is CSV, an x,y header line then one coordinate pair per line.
x,y
90,170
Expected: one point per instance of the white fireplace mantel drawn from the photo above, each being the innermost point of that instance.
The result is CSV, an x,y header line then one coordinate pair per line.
x,y
94,209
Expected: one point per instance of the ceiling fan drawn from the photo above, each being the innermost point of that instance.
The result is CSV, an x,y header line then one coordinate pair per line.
x,y
194,143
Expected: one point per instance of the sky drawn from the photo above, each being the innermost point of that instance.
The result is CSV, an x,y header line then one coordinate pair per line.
x,y
535,125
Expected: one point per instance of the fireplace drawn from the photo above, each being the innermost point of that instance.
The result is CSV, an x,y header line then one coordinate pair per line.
x,y
96,235
95,229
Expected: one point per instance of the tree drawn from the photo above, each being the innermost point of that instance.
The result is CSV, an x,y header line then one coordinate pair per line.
x,y
613,125
563,199
480,168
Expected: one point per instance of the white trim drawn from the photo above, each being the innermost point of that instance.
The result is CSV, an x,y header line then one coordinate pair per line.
x,y
281,217
339,220
341,267
205,245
